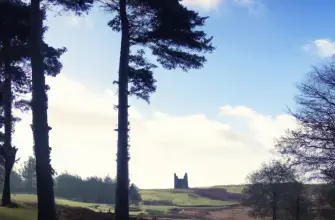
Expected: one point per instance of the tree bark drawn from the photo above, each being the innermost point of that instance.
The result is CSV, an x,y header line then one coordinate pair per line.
x,y
274,206
45,192
8,152
122,185
297,208
6,197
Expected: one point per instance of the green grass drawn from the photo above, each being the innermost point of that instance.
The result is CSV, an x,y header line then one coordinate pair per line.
x,y
232,188
27,198
180,197
21,213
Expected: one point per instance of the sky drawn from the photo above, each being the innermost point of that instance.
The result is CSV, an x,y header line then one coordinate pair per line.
x,y
218,123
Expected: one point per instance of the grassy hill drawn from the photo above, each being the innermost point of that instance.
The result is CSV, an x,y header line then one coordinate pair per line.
x,y
181,198
157,202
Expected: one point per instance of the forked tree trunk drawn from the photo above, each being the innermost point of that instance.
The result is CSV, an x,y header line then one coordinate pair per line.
x,y
122,185
45,192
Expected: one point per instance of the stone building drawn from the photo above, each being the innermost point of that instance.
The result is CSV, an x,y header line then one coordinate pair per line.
x,y
181,183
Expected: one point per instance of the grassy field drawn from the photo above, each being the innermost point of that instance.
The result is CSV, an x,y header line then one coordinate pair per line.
x,y
180,197
232,188
32,199
21,213
175,199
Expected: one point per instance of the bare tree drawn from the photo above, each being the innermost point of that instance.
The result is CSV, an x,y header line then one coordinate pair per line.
x,y
311,146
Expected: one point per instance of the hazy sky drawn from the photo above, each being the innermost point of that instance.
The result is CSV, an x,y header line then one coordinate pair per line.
x,y
217,123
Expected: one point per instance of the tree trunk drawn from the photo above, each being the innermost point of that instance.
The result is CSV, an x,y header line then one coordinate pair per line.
x,y
297,208
274,206
6,197
8,151
122,185
45,192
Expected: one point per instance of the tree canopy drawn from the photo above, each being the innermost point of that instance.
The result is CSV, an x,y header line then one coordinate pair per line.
x,y
266,187
173,35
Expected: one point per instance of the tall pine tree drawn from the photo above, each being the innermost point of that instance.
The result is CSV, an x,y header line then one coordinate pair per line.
x,y
12,38
40,127
16,74
172,33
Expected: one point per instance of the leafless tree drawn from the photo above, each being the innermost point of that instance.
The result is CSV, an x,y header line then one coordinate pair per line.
x,y
312,145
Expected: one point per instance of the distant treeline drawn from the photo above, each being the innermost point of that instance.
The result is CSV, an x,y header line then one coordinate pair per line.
x,y
92,189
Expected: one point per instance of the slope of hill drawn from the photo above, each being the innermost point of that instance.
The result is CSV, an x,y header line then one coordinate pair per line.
x,y
190,197
156,202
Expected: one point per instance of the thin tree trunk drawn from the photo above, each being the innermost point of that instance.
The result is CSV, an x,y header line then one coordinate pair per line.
x,y
45,191
274,206
122,185
297,210
8,151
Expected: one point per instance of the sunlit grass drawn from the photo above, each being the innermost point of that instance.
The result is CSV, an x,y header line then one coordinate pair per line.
x,y
181,197
232,188
178,199
32,198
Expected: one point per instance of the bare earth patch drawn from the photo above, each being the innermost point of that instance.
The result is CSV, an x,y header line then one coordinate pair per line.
x,y
218,194
234,213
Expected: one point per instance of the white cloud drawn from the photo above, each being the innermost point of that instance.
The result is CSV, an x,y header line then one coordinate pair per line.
x,y
206,5
212,151
323,47
255,7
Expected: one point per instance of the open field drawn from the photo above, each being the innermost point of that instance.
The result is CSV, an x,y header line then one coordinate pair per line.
x,y
232,188
21,213
73,213
168,203
182,198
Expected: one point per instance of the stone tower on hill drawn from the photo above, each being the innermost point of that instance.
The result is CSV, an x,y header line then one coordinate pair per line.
x,y
181,183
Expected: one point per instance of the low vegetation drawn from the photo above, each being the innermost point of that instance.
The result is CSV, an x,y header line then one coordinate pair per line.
x,y
159,202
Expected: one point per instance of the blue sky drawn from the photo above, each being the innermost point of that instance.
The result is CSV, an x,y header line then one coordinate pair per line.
x,y
263,48
258,59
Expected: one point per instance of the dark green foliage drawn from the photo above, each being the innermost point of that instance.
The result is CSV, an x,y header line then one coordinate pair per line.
x,y
77,6
134,195
266,187
171,32
73,187
10,53
15,72
141,76
91,189
28,173
174,40
16,183
39,104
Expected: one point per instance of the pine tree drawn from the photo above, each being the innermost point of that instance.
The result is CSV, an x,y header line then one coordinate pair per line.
x,y
171,32
12,14
15,73
40,127
28,173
